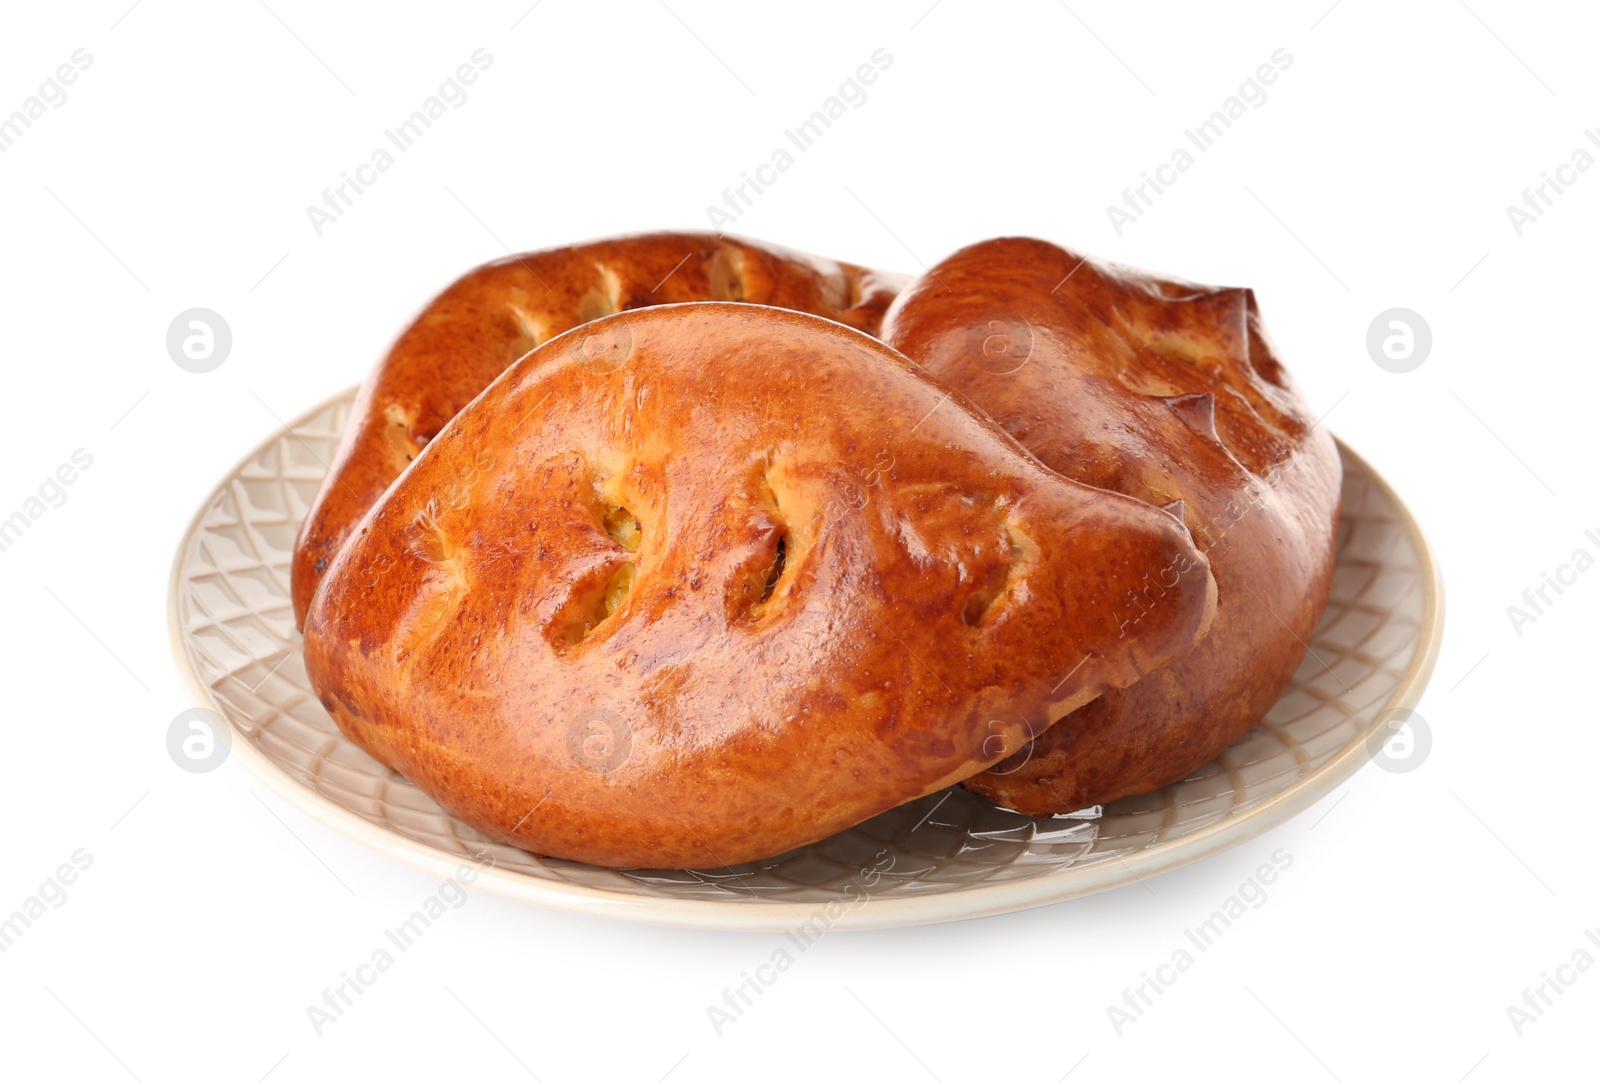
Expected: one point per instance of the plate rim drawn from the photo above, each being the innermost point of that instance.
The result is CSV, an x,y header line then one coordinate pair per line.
x,y
984,900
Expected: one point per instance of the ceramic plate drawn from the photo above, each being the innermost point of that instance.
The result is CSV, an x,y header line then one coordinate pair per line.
x,y
945,856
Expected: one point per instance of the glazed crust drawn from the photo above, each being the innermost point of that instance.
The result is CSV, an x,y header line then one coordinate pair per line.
x,y
1169,392
698,584
493,315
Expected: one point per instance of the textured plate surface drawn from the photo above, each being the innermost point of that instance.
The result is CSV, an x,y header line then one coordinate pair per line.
x,y
948,855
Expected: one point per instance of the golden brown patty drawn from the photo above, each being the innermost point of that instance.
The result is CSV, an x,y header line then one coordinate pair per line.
x,y
698,584
1169,392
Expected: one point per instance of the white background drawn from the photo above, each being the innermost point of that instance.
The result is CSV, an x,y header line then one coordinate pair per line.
x,y
1377,174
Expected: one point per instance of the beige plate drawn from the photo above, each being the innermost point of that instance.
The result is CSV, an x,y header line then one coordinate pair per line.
x,y
945,856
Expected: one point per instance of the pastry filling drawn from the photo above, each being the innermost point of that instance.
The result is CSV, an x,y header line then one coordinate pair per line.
x,y
616,592
777,569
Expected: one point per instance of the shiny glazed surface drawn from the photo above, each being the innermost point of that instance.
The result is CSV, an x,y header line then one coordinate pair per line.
x,y
493,315
698,584
1169,392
